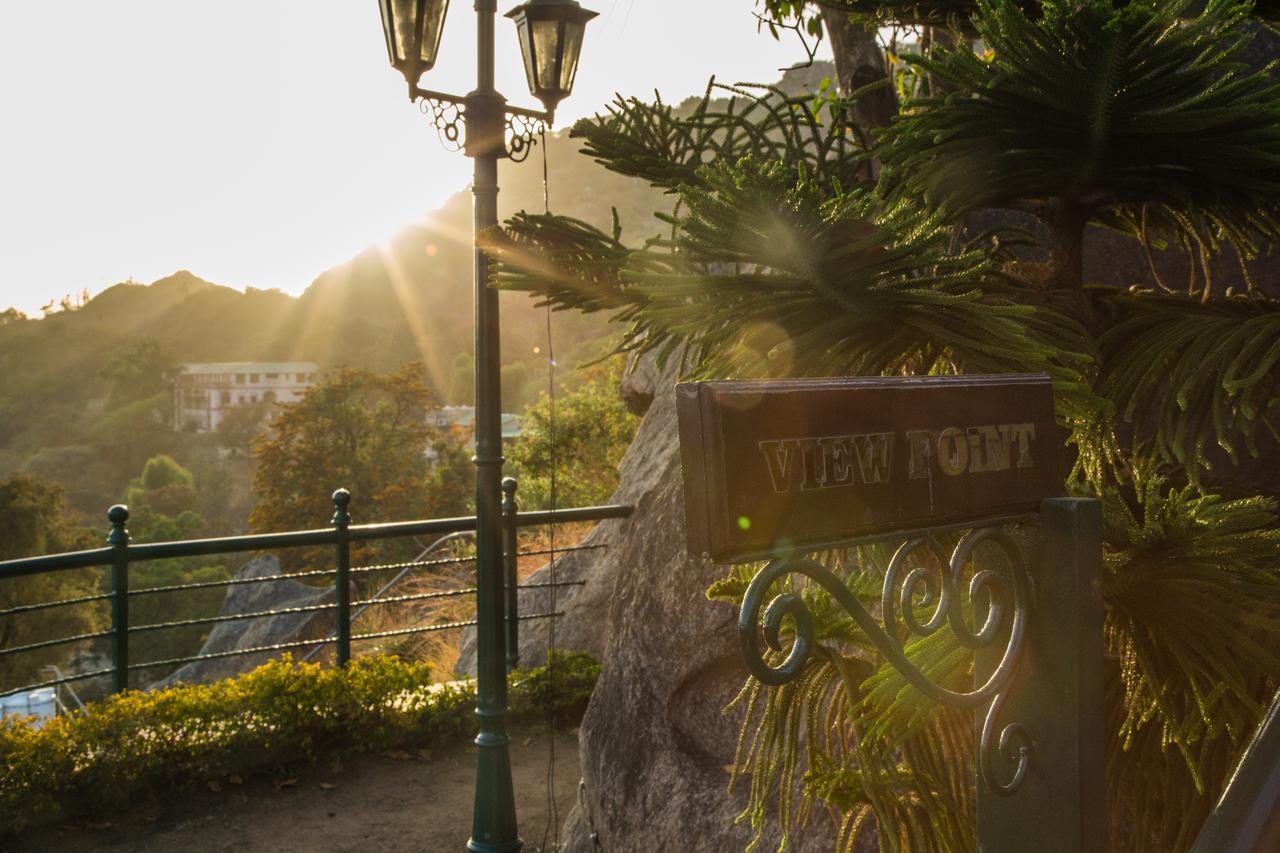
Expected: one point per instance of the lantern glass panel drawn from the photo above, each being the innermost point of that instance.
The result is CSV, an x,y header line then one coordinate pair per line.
x,y
526,50
432,24
400,28
546,52
572,47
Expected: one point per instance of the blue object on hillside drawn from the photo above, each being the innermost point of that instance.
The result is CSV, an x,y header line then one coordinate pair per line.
x,y
40,703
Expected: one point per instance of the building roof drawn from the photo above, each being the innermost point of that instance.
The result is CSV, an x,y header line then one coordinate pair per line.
x,y
464,416
251,367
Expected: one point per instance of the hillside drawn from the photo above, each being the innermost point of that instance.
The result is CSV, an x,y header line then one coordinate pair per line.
x,y
409,300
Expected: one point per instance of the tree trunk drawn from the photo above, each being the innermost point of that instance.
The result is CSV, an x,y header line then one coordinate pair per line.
x,y
859,61
937,38
1066,244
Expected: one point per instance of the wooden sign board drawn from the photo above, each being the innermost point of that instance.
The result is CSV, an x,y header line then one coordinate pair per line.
x,y
771,466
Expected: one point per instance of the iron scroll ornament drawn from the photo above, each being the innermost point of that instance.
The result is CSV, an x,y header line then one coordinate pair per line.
x,y
448,117
522,133
900,585
521,128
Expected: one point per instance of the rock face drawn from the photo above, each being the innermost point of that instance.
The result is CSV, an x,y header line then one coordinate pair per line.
x,y
654,743
264,631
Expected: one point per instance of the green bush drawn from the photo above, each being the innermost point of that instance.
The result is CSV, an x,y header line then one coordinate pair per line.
x,y
134,745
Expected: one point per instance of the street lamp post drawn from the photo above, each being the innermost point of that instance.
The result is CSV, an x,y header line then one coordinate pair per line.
x,y
488,129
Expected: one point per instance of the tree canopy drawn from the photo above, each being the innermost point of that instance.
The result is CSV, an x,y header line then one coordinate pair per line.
x,y
578,438
363,431
34,520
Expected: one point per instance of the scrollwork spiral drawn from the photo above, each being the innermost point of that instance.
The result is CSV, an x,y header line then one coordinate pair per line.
x,y
904,590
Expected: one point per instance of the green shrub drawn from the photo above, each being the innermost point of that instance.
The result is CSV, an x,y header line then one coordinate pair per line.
x,y
559,690
134,745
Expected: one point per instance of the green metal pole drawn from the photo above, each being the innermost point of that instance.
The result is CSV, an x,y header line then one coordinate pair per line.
x,y
511,552
342,581
118,539
493,827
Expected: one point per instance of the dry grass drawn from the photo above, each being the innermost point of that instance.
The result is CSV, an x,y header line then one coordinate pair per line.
x,y
441,648
541,539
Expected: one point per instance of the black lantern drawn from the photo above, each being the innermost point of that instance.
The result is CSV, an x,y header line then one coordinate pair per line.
x,y
550,39
412,28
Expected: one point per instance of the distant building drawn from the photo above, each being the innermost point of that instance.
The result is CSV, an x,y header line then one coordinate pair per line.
x,y
464,417
203,393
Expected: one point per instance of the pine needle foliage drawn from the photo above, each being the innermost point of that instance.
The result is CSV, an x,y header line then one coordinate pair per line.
x,y
1193,628
780,260
950,14
1200,682
773,272
667,146
1140,114
1194,375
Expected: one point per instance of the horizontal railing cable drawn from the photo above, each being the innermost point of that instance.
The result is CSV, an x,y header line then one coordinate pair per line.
x,y
314,573
449,593
559,551
420,596
31,647
443,626
419,629
66,602
549,585
208,620
410,564
54,682
253,650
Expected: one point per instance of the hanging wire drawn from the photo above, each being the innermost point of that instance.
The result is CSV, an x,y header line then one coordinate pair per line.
x,y
552,827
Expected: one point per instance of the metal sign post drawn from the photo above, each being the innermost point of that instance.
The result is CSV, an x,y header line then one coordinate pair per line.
x,y
1057,697
777,470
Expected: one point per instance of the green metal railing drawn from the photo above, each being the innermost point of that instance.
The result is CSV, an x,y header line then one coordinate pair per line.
x,y
119,554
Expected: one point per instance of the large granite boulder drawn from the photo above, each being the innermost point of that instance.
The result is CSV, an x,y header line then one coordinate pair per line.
x,y
263,631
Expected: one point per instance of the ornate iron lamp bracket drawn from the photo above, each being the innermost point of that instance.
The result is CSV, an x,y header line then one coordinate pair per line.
x,y
1007,600
446,112
521,127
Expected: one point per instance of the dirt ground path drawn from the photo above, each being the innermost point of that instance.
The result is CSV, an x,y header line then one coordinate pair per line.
x,y
367,803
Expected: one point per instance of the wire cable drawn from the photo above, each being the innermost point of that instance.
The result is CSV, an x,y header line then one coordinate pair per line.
x,y
552,827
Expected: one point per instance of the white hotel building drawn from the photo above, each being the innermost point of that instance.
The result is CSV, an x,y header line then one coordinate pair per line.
x,y
203,393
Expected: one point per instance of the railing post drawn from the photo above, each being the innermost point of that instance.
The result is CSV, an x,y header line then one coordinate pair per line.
x,y
511,556
342,582
1057,697
118,539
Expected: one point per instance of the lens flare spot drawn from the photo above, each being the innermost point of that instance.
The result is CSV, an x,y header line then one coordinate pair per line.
x,y
764,349
744,522
432,250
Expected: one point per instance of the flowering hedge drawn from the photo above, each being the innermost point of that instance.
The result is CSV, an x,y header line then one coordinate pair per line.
x,y
135,743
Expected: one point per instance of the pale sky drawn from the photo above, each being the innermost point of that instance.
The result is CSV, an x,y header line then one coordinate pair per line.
x,y
261,142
